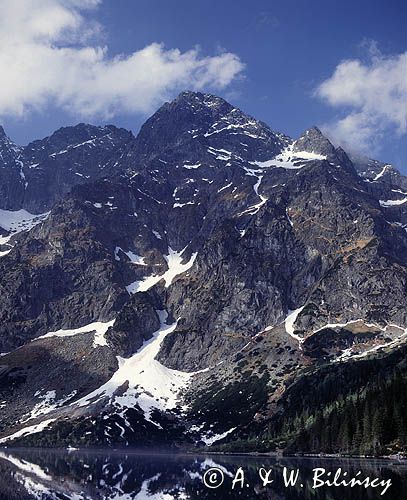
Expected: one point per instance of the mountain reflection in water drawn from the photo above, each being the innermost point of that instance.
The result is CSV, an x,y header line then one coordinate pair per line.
x,y
105,474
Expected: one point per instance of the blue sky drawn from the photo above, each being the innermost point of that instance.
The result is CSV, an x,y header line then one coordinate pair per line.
x,y
288,49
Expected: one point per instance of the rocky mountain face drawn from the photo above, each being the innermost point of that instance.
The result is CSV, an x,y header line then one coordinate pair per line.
x,y
39,174
176,288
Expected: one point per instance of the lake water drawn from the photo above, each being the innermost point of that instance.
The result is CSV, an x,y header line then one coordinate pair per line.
x,y
76,475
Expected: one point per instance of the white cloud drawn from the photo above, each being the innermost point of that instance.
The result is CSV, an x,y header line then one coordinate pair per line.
x,y
49,56
373,96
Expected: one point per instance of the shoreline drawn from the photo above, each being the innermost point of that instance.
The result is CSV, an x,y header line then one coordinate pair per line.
x,y
188,453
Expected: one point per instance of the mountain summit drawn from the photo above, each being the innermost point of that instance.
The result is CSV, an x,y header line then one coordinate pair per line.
x,y
313,141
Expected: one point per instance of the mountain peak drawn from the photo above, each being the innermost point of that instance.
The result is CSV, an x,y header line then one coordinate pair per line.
x,y
8,149
201,98
314,141
203,120
189,113
314,130
74,136
200,102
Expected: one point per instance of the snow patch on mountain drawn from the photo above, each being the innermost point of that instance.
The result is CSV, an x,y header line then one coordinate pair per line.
x,y
180,205
15,222
225,187
253,209
392,203
289,159
25,431
157,234
3,241
149,384
348,323
382,172
20,220
289,323
100,328
22,174
209,439
175,265
220,154
192,167
241,127
134,258
47,404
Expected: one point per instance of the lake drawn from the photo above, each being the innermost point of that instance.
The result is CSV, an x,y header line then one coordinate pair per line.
x,y
107,474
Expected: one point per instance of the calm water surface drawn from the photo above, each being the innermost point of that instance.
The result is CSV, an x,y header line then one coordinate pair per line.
x,y
77,475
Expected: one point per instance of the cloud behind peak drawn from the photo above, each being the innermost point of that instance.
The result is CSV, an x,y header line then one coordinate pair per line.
x,y
372,99
50,56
